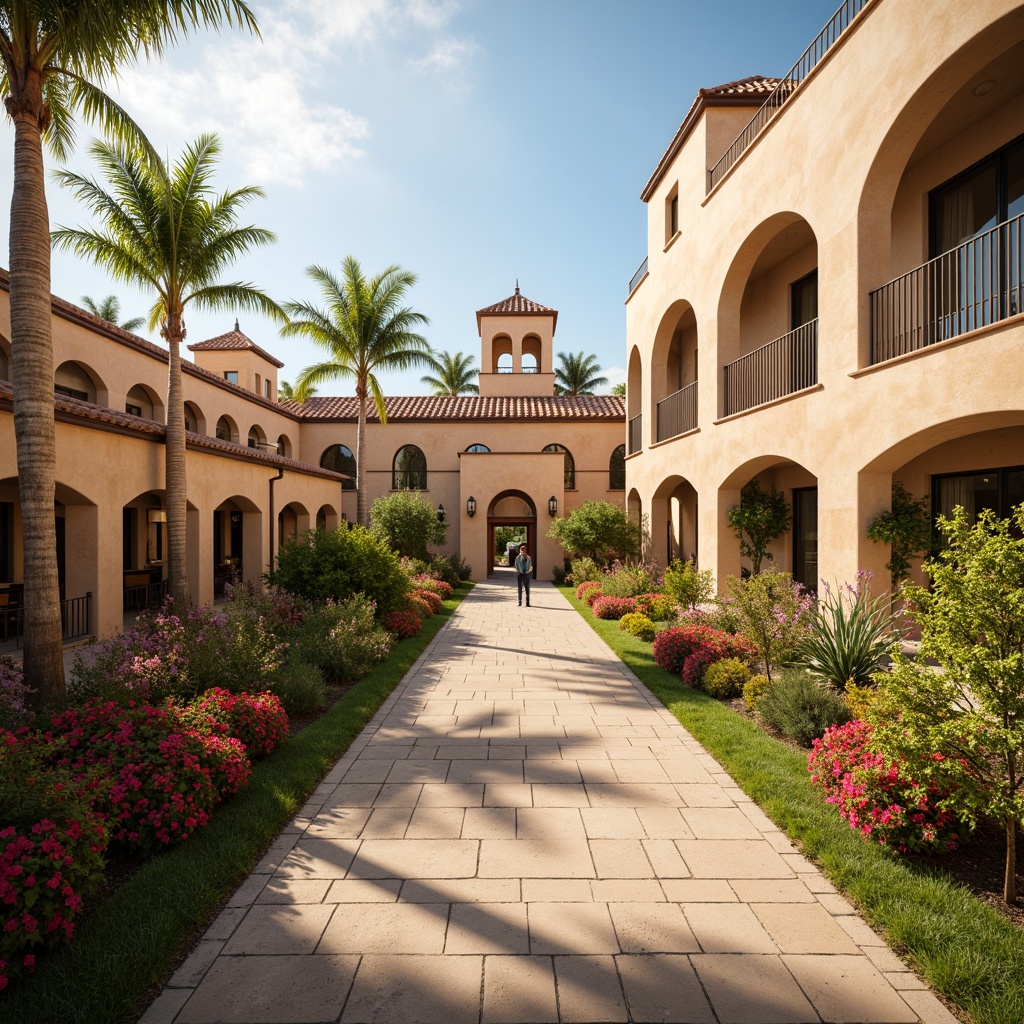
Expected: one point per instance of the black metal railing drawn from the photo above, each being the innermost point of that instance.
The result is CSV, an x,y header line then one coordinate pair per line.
x,y
636,441
678,413
974,285
812,56
782,367
75,619
145,597
636,278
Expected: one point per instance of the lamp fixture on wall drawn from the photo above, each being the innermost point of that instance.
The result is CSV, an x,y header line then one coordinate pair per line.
x,y
471,506
552,506
440,513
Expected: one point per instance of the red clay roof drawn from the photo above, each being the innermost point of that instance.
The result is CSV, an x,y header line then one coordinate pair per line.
x,y
234,341
466,408
752,92
517,304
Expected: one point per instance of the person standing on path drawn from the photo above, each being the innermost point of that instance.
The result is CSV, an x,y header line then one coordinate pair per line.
x,y
524,568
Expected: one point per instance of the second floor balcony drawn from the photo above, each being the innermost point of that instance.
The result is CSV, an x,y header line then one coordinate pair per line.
x,y
635,435
677,414
782,367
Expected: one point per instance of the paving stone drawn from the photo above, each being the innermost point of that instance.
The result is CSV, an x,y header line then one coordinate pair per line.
x,y
487,928
652,928
557,890
665,858
799,928
415,858
391,928
416,770
387,823
319,858
245,895
165,1007
578,928
489,823
928,1008
435,823
728,928
719,823
664,823
775,890
451,795
627,890
294,890
614,823
848,989
737,858
752,990
561,824
861,934
620,858
589,989
225,923
191,972
279,930
664,988
554,795
359,890
339,823
519,990
534,858
697,890
636,794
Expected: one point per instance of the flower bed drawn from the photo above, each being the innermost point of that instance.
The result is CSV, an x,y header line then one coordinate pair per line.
x,y
404,623
256,719
613,607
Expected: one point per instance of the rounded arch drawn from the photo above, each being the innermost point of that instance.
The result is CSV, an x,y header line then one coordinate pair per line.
x,y
327,518
284,446
673,368
195,421
142,400
617,469
501,354
512,503
673,514
5,358
532,349
292,522
338,458
634,385
257,437
570,464
238,551
75,379
409,469
226,430
478,449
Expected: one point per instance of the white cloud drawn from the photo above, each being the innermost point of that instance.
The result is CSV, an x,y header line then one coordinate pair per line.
x,y
615,375
447,56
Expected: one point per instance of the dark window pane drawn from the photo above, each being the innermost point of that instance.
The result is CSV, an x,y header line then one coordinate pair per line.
x,y
970,491
805,300
965,208
1015,181
409,472
617,469
339,459
805,537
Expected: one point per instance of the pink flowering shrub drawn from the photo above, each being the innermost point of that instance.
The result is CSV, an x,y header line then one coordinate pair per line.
x,y
688,650
612,607
586,588
14,698
419,607
593,595
256,719
876,795
403,622
442,588
432,600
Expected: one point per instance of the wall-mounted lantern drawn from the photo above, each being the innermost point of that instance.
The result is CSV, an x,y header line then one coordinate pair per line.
x,y
552,506
471,506
440,513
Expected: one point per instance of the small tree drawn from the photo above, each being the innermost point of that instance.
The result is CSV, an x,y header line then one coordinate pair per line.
x,y
963,728
906,528
759,518
619,390
688,585
599,530
407,523
774,613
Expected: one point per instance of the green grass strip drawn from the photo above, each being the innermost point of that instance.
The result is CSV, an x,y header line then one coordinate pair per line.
x,y
132,941
967,951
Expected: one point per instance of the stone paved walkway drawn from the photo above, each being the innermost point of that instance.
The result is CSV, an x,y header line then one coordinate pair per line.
x,y
524,833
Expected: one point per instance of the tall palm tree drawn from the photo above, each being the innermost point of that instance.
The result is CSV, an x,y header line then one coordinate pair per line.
x,y
287,393
110,310
364,328
577,374
164,230
453,374
50,53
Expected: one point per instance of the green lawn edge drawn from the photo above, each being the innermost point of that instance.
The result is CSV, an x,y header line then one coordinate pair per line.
x,y
132,942
968,952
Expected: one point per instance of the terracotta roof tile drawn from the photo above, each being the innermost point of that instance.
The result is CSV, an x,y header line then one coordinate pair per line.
x,y
467,408
234,341
516,304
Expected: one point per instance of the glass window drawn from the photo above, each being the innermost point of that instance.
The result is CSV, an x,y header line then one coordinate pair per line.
x,y
1000,490
266,389
61,389
805,300
805,536
223,430
132,410
478,448
254,439
617,469
191,423
673,224
231,376
409,471
570,465
339,459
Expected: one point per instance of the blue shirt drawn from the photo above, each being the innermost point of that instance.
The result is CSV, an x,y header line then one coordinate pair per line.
x,y
523,564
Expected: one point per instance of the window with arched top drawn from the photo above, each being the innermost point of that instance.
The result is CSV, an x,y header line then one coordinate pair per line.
x,y
617,469
284,446
223,431
478,448
570,464
339,459
409,470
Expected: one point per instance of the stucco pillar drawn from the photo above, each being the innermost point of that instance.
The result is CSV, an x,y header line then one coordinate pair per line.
x,y
92,563
719,546
199,554
255,544
517,352
847,502
661,524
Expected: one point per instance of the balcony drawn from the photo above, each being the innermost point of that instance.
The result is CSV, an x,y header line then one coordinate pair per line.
x,y
974,285
635,435
637,277
677,414
809,59
782,367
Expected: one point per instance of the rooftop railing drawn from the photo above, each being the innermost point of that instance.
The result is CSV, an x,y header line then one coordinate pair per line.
x,y
976,284
823,42
782,367
638,276
677,414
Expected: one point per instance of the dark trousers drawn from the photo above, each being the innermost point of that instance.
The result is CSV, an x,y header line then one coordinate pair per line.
x,y
523,579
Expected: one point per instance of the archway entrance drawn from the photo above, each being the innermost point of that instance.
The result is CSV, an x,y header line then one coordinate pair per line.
x,y
511,513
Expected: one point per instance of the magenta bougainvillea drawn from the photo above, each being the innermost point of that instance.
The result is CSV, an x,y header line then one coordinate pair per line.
x,y
403,622
687,651
443,589
613,607
257,719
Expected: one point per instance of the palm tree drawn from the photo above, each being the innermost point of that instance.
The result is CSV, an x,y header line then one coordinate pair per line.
x,y
286,393
110,310
577,374
50,51
164,230
364,328
453,374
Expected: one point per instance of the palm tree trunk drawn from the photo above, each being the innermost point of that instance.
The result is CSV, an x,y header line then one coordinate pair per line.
x,y
32,373
361,393
174,468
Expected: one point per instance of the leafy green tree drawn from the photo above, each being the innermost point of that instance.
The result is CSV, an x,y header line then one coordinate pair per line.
x,y
110,310
688,585
452,374
963,728
51,54
407,523
906,528
619,390
287,393
577,374
774,615
164,230
759,518
598,530
365,329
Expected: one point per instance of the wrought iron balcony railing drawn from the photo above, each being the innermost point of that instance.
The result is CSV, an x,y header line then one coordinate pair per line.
x,y
636,441
678,413
636,278
974,285
780,368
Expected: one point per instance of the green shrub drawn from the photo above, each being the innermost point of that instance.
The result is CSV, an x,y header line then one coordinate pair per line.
x,y
724,615
800,708
860,699
774,613
754,689
661,608
599,530
558,574
628,581
343,639
639,626
687,585
450,568
335,564
725,678
586,569
299,686
407,523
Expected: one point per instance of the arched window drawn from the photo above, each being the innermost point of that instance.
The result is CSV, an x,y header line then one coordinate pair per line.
x,y
284,446
409,472
193,419
224,430
339,459
617,469
478,448
570,464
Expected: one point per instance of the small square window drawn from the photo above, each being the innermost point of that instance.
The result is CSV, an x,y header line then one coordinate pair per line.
x,y
266,389
133,410
231,376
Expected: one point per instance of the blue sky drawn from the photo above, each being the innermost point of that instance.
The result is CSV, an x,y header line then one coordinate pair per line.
x,y
470,141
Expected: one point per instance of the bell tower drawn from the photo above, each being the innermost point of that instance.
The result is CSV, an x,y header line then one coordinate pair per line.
x,y
516,347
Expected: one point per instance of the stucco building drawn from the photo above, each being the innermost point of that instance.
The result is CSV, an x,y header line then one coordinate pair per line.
x,y
260,471
831,299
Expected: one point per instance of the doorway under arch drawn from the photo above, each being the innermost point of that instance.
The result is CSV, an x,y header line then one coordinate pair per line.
x,y
516,509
